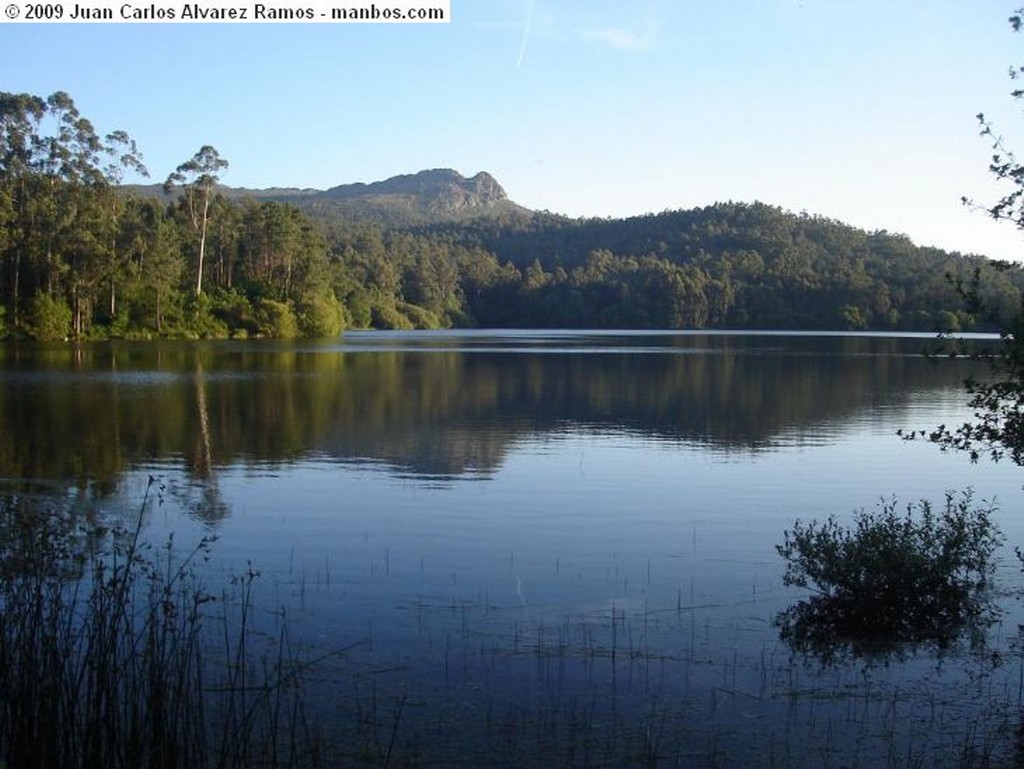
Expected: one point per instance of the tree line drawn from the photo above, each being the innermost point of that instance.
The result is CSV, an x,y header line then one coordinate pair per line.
x,y
80,257
734,265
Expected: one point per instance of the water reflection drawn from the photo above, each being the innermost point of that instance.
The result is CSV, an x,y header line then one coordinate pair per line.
x,y
613,580
435,405
816,628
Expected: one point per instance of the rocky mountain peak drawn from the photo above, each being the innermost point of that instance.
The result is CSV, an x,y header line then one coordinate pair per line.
x,y
438,189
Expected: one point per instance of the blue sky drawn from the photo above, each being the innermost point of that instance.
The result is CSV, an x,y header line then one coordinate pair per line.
x,y
862,112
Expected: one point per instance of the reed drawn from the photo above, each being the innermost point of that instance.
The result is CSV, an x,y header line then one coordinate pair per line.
x,y
107,657
113,653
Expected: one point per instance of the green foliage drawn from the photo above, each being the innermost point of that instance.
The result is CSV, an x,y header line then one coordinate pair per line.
x,y
234,309
458,319
275,320
947,322
202,321
852,318
3,326
358,309
734,265
132,268
892,577
320,314
198,178
51,318
386,316
419,317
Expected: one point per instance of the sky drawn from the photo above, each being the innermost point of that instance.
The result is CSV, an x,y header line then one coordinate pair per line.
x,y
862,112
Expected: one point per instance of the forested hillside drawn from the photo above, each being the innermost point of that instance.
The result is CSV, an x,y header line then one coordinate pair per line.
x,y
733,265
83,257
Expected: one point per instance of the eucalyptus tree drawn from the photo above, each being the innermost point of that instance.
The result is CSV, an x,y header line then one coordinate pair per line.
x,y
54,230
81,172
155,264
164,268
198,179
272,241
122,154
20,117
222,243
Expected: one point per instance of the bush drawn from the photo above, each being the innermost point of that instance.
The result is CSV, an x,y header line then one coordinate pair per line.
x,y
420,317
892,577
202,321
458,319
385,316
51,318
276,320
358,309
946,322
321,315
234,310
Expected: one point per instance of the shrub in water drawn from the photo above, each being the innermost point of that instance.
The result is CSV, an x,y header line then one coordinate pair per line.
x,y
892,577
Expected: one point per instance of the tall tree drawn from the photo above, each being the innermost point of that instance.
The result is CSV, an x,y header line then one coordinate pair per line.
x,y
53,229
20,117
122,155
198,178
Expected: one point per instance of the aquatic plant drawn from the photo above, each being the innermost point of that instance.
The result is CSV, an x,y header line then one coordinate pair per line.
x,y
892,577
107,658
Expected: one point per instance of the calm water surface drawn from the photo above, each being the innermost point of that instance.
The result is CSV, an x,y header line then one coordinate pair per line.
x,y
534,546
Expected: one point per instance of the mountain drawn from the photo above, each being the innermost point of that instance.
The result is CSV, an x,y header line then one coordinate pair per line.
x,y
429,197
440,188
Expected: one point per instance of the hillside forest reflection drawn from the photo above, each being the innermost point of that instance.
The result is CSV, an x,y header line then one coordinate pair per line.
x,y
436,405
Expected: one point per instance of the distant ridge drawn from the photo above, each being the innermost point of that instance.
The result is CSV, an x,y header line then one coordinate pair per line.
x,y
443,186
427,197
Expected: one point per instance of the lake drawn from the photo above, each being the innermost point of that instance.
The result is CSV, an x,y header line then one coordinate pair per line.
x,y
543,548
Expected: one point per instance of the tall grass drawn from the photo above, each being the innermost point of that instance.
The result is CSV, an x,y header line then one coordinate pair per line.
x,y
113,654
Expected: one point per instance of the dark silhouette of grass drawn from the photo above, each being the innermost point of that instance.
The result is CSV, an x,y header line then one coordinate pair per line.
x,y
108,657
